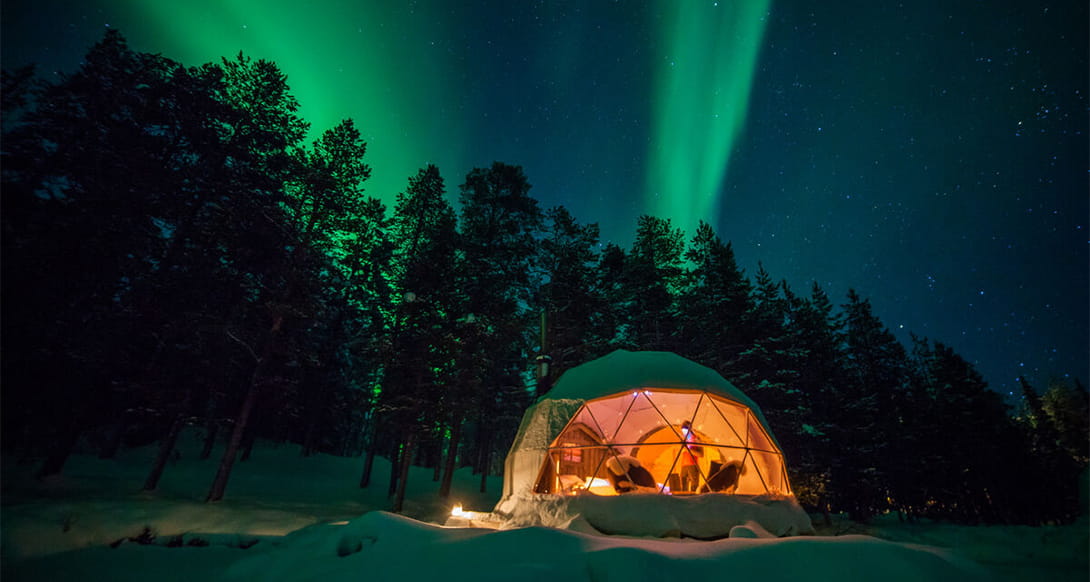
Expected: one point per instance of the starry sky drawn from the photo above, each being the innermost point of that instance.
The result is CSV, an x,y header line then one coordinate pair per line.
x,y
933,155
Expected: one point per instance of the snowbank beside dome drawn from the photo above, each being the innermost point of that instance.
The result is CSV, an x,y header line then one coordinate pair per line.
x,y
662,516
383,546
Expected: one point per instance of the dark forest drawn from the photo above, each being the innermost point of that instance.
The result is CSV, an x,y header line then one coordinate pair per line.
x,y
176,254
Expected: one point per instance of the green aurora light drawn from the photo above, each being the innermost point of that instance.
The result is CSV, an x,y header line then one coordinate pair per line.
x,y
419,92
337,57
701,96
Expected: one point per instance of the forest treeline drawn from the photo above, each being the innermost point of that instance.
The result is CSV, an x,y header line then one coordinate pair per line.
x,y
175,254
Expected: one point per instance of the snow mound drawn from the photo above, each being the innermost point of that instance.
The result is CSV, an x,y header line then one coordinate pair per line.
x,y
751,530
664,516
36,529
383,546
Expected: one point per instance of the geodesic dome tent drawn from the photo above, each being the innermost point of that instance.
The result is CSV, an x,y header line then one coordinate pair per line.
x,y
628,408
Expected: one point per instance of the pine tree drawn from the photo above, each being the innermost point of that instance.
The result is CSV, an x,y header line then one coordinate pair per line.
x,y
349,232
81,178
1056,498
570,301
957,444
815,332
652,277
766,368
617,310
868,414
714,302
267,127
500,225
418,394
1067,408
126,152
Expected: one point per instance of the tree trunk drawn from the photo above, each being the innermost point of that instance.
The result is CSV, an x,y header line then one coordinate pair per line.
x,y
318,402
316,415
310,439
369,459
61,450
449,463
248,442
219,484
396,454
434,453
368,465
403,472
486,463
261,359
73,422
314,404
480,464
166,447
478,452
211,430
117,435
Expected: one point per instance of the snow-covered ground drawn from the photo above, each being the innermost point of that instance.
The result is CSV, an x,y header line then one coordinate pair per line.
x,y
292,518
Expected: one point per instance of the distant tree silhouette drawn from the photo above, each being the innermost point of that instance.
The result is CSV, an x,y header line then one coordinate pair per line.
x,y
652,276
570,298
500,224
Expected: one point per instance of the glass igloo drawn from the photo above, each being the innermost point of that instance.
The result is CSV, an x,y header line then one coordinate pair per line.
x,y
666,432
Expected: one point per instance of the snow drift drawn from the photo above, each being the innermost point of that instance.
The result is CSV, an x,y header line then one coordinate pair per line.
x,y
295,518
650,514
383,546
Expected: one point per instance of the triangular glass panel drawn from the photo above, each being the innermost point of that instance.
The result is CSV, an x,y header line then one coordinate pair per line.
x,y
611,413
596,480
757,438
733,416
770,466
615,472
726,468
710,425
751,481
673,408
583,429
657,455
645,419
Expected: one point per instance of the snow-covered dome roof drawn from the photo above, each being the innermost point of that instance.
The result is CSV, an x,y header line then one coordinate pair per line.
x,y
622,371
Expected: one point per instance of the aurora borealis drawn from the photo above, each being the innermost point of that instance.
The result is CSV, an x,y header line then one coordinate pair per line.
x,y
932,156
701,95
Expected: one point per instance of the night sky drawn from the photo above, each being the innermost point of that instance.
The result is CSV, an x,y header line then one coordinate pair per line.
x,y
932,155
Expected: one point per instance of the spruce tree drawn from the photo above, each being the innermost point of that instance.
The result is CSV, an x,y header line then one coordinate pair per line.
x,y
617,310
766,367
500,223
815,331
571,303
958,443
419,393
1067,407
652,277
868,416
713,303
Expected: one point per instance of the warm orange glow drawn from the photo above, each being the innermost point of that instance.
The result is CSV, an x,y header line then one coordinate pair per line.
x,y
456,511
734,453
599,486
